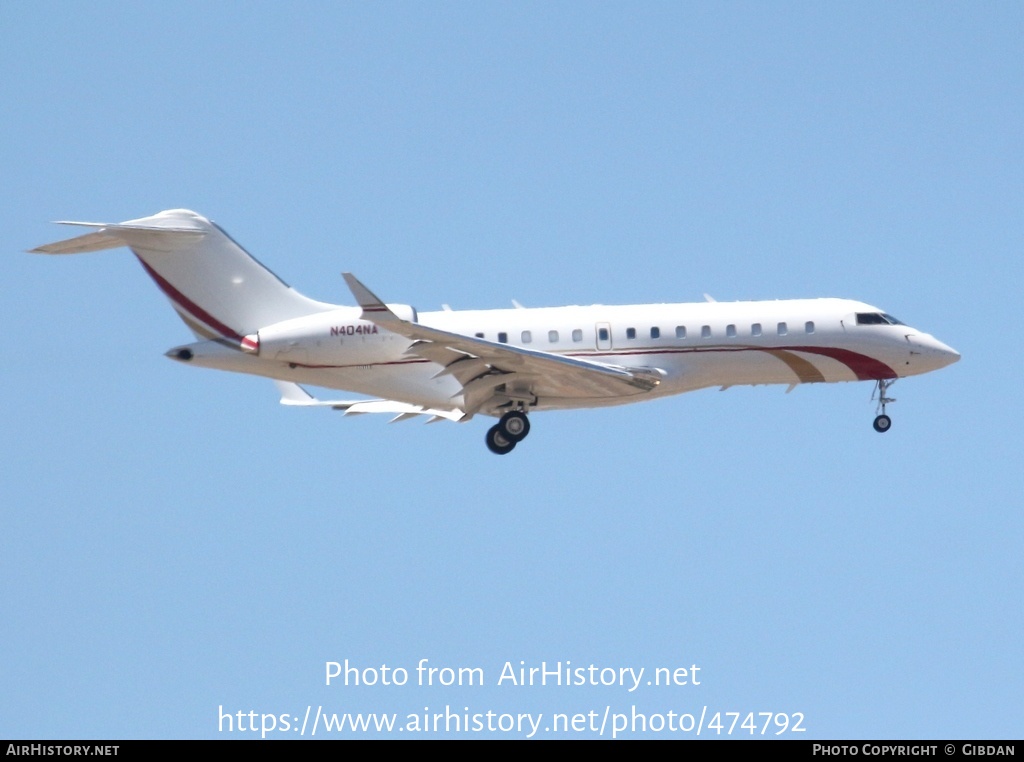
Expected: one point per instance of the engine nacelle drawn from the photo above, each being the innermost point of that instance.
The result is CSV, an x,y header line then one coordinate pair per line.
x,y
339,337
405,312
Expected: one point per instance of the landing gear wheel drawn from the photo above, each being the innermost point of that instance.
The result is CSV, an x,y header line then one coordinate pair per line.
x,y
498,442
883,422
515,425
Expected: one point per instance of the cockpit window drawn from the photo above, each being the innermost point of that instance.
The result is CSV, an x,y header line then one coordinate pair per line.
x,y
876,318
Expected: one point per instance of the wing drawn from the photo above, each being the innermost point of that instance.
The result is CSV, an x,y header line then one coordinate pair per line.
x,y
293,394
493,375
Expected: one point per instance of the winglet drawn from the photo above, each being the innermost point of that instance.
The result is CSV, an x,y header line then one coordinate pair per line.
x,y
293,394
374,309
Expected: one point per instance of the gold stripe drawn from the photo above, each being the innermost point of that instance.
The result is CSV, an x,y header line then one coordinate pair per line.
x,y
803,369
196,328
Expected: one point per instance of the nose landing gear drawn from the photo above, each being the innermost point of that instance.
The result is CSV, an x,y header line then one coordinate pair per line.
x,y
509,431
883,422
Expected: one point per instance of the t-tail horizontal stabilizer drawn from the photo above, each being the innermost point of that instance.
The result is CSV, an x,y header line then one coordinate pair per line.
x,y
113,235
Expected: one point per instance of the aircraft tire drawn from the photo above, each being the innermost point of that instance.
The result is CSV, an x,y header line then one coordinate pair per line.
x,y
515,425
498,442
882,424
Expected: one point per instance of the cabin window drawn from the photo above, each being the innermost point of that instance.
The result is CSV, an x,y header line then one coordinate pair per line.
x,y
631,333
730,331
655,332
577,334
755,329
809,326
527,337
602,334
680,331
503,337
782,329
705,332
479,335
553,336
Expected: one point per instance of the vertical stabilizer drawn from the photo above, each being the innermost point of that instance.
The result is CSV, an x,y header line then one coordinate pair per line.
x,y
216,287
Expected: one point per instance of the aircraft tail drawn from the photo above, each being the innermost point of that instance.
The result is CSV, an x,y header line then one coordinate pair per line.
x,y
218,289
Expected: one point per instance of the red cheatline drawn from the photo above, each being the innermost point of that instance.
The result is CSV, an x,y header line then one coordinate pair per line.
x,y
197,311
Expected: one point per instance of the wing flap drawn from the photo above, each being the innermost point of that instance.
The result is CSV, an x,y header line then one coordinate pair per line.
x,y
464,369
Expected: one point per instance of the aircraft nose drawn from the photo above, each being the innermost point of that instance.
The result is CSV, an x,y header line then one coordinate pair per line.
x,y
950,354
940,355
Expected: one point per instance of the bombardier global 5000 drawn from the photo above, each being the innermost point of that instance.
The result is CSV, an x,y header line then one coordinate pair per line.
x,y
505,363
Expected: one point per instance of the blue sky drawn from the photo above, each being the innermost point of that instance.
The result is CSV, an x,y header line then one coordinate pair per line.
x,y
176,542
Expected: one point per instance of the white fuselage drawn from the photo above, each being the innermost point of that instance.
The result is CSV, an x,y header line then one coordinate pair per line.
x,y
693,345
503,363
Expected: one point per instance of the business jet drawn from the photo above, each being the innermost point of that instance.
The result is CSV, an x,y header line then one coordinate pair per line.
x,y
502,363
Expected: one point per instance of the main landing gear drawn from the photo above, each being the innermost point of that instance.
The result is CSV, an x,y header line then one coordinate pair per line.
x,y
509,431
883,422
